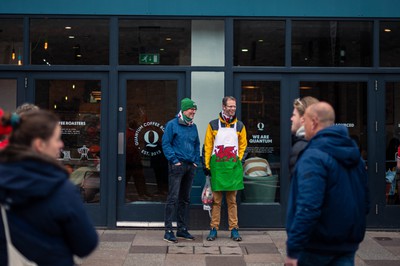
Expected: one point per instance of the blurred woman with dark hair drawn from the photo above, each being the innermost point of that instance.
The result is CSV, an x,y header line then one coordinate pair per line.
x,y
47,219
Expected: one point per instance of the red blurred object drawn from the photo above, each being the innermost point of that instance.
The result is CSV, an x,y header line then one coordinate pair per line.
x,y
4,130
3,144
94,149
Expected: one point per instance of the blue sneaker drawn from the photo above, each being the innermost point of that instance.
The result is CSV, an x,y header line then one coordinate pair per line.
x,y
212,235
235,235
183,233
170,237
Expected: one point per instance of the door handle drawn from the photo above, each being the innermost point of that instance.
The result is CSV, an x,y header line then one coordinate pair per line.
x,y
121,139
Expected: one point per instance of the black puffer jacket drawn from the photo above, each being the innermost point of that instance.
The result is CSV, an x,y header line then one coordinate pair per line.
x,y
298,144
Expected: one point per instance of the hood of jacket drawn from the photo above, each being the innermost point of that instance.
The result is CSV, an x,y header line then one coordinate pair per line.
x,y
335,141
27,176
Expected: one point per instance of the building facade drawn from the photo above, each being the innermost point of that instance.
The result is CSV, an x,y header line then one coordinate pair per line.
x,y
115,74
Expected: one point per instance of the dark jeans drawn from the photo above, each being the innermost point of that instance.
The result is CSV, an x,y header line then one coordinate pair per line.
x,y
311,259
180,184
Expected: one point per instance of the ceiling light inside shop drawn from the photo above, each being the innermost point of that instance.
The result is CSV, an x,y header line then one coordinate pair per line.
x,y
68,27
245,50
71,37
250,87
260,40
305,87
96,95
387,30
168,39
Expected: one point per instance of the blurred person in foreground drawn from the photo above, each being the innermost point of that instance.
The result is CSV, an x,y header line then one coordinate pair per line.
x,y
329,198
25,108
297,128
47,219
5,131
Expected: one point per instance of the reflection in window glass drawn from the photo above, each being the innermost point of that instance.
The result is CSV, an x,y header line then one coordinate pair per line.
x,y
349,100
11,46
332,43
77,103
154,42
8,92
261,116
392,113
69,41
259,43
146,168
389,43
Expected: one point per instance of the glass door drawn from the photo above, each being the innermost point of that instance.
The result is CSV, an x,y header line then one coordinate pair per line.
x,y
263,106
78,100
354,99
389,177
147,102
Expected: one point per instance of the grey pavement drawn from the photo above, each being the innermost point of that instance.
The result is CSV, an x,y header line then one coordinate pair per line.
x,y
125,247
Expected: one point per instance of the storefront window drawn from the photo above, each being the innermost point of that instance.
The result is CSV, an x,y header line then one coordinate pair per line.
x,y
11,46
261,116
349,100
150,105
77,103
389,43
69,41
259,43
392,142
332,43
154,42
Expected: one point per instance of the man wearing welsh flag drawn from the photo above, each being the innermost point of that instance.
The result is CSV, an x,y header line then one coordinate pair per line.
x,y
224,146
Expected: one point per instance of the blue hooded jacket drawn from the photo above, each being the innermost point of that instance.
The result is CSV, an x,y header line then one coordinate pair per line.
x,y
329,197
47,219
180,142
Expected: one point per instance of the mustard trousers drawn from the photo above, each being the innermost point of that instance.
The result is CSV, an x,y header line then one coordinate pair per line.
x,y
232,209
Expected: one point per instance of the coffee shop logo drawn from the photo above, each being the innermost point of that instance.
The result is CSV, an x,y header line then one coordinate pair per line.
x,y
260,126
148,138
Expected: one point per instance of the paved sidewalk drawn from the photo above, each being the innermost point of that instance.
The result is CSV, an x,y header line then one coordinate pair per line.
x,y
146,247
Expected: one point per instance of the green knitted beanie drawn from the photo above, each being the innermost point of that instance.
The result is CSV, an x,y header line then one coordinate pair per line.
x,y
186,103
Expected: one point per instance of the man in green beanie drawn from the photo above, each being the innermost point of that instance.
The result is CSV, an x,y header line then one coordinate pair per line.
x,y
181,147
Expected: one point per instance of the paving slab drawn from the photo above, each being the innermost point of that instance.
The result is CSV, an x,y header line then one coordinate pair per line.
x,y
180,250
233,250
382,263
148,249
207,250
258,237
144,259
266,259
387,241
225,261
117,237
371,250
184,260
260,248
106,257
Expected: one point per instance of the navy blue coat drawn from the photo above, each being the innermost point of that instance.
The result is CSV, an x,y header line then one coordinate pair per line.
x,y
47,219
329,197
180,142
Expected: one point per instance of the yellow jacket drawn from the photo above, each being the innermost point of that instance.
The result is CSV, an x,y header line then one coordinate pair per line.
x,y
212,130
